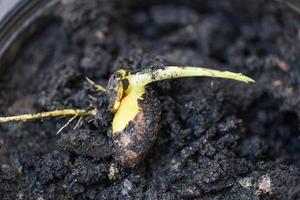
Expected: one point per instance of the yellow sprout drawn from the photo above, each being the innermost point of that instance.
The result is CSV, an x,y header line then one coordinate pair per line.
x,y
128,108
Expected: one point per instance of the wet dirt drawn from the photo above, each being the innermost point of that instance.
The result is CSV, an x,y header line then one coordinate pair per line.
x,y
219,139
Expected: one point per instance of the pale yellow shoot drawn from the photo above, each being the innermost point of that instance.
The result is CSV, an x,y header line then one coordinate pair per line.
x,y
129,107
170,72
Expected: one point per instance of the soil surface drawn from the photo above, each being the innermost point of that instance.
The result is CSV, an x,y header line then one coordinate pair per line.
x,y
219,139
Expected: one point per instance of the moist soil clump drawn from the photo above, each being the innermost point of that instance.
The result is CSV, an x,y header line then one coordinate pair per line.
x,y
218,139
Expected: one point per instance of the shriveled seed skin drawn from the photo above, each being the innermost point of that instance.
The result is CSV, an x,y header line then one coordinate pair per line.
x,y
113,89
133,143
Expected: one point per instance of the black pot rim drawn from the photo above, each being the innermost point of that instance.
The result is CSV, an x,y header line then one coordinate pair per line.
x,y
16,21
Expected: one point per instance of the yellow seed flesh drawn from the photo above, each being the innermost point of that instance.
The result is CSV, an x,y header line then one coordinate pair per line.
x,y
127,110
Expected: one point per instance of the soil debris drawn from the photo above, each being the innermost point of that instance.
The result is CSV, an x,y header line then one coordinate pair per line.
x,y
212,136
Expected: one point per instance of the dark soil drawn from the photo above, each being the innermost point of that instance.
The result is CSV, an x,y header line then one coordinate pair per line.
x,y
219,139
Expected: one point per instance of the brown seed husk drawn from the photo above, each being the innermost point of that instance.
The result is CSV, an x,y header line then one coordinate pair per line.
x,y
133,143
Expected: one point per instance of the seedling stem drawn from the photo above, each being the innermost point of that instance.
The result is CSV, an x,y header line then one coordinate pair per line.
x,y
128,108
